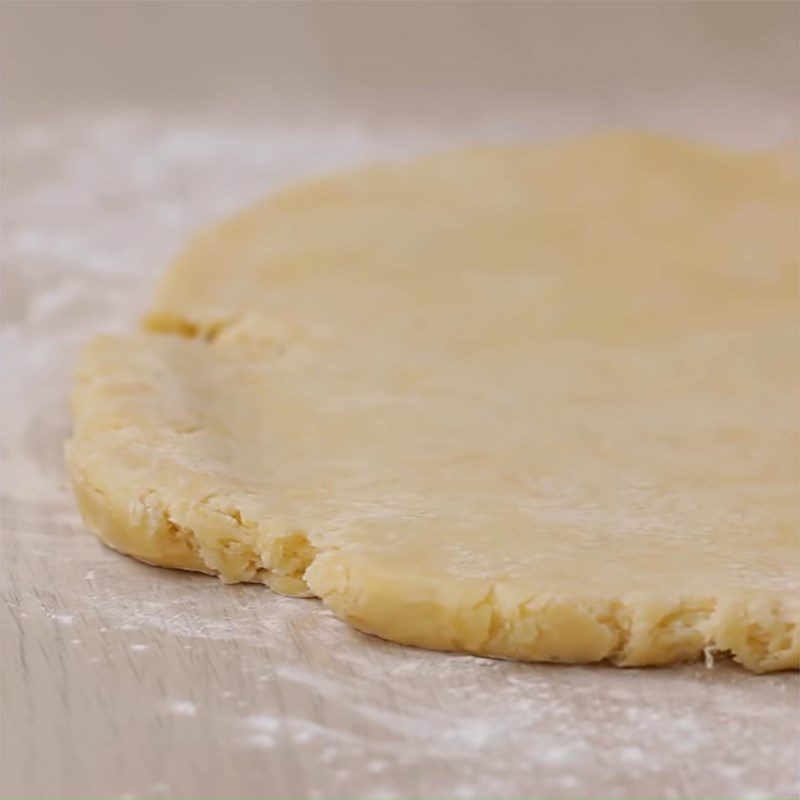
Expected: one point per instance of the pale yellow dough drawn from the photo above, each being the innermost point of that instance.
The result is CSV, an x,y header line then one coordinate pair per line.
x,y
532,402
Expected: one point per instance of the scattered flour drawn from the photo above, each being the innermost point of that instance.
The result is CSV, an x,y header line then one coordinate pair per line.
x,y
306,686
181,708
261,730
632,755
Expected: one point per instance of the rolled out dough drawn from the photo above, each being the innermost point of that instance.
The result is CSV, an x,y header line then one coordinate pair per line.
x,y
530,402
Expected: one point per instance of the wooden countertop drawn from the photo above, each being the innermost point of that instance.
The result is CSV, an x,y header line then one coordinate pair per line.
x,y
122,680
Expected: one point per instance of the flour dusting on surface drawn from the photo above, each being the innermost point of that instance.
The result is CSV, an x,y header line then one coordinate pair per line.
x,y
182,708
100,205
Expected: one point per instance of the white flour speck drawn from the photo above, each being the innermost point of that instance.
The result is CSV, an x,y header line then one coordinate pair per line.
x,y
182,708
382,793
472,733
328,755
261,730
631,755
556,754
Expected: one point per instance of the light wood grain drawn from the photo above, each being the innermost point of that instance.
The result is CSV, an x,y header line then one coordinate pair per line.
x,y
125,681
121,680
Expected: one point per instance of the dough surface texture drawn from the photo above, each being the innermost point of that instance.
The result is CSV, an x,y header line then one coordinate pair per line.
x,y
534,402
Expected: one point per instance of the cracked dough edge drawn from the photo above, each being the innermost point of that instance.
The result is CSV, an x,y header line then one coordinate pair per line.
x,y
628,630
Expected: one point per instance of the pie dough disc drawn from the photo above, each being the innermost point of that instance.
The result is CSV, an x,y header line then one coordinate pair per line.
x,y
529,402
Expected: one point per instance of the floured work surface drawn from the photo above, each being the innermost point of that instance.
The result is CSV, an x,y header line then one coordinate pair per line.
x,y
533,402
125,680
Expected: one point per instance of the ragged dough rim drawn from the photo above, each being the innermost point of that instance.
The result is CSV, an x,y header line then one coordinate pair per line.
x,y
135,520
503,620
625,630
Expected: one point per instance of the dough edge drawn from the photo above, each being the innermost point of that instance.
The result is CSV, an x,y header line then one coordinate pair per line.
x,y
499,621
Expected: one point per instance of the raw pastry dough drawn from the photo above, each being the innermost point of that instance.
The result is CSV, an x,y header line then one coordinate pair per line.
x,y
534,402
